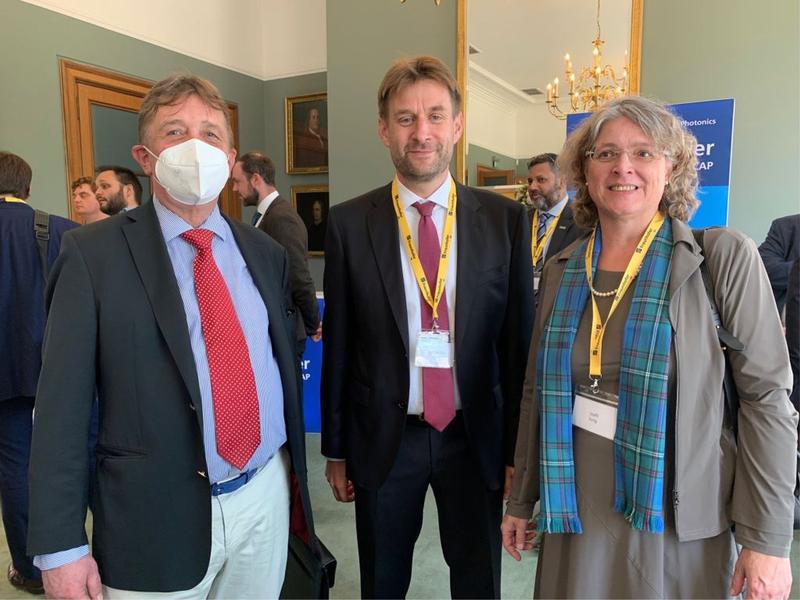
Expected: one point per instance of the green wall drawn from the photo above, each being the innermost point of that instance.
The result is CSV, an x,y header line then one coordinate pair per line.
x,y
704,50
363,39
275,93
31,123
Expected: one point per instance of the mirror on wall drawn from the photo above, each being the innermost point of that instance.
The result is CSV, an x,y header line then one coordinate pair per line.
x,y
509,50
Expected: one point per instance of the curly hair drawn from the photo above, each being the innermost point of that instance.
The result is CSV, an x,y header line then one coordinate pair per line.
x,y
669,136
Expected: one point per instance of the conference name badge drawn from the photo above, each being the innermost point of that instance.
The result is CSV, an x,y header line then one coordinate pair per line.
x,y
434,350
595,411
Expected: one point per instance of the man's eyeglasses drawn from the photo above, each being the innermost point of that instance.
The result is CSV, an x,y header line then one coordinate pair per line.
x,y
638,155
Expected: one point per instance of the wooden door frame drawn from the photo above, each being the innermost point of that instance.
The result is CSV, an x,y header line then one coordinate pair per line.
x,y
83,86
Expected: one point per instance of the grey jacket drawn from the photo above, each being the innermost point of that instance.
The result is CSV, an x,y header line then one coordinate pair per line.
x,y
715,484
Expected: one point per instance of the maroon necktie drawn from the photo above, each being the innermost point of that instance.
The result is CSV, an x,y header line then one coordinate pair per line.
x,y
438,397
233,387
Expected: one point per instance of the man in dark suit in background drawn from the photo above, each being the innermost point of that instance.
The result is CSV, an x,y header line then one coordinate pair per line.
x,y
21,331
552,225
422,382
178,317
779,251
253,178
117,189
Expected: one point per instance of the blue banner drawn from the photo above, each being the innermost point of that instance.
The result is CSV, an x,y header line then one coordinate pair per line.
x,y
311,370
711,122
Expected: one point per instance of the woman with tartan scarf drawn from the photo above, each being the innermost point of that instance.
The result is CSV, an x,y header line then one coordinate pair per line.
x,y
645,489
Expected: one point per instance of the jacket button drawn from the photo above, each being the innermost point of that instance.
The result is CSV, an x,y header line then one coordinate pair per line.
x,y
401,405
192,406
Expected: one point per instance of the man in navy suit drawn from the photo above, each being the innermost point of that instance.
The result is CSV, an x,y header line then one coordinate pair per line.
x,y
21,330
421,383
779,251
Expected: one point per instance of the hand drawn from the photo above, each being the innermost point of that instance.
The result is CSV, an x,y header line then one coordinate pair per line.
x,y
507,484
342,487
78,579
765,576
318,334
517,535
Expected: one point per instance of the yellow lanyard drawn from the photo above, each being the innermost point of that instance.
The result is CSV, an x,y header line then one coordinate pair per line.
x,y
12,199
538,249
635,263
444,257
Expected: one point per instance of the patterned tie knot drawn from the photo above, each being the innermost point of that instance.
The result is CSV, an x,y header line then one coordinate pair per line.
x,y
425,209
199,238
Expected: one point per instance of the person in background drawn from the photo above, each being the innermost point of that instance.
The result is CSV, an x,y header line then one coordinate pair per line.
x,y
793,328
84,202
623,433
117,189
552,225
429,307
253,178
177,317
778,251
22,319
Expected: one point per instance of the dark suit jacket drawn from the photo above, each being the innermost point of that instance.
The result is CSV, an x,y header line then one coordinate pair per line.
x,y
793,329
284,225
567,231
365,373
22,297
116,322
779,251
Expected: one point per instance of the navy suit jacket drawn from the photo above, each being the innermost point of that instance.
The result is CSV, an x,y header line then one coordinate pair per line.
x,y
779,251
365,367
22,297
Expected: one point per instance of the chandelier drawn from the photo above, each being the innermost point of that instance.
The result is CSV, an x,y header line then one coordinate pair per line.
x,y
592,86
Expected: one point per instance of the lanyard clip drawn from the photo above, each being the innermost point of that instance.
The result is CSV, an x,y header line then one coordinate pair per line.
x,y
595,385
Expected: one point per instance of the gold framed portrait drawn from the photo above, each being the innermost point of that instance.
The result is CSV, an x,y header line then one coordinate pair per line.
x,y
307,134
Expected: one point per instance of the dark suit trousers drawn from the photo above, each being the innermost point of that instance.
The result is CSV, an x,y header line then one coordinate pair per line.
x,y
389,519
16,426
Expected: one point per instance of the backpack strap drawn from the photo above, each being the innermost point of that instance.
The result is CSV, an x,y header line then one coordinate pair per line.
x,y
41,229
727,340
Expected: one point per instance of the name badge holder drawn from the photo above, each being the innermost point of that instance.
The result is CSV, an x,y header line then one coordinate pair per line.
x,y
595,410
434,350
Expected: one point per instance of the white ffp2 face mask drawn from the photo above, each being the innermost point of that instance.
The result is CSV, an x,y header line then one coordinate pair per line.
x,y
192,172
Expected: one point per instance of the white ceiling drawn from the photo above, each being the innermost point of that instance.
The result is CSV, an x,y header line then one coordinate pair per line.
x,y
523,42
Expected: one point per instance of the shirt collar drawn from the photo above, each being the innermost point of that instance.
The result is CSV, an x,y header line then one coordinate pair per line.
x,y
266,202
556,209
173,226
441,196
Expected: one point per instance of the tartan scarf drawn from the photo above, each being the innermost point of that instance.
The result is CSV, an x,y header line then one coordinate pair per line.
x,y
642,411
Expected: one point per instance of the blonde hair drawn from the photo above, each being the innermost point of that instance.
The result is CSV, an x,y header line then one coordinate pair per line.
x,y
669,136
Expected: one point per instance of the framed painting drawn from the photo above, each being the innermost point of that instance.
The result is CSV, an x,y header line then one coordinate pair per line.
x,y
312,203
307,134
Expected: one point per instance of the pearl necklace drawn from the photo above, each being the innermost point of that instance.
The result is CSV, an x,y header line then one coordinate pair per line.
x,y
603,294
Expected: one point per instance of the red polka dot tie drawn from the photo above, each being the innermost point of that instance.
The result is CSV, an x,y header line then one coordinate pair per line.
x,y
233,387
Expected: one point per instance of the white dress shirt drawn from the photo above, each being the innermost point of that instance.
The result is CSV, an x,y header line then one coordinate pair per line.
x,y
413,298
264,204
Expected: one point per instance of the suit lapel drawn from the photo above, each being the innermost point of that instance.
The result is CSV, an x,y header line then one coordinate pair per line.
x,y
563,227
384,237
150,256
470,225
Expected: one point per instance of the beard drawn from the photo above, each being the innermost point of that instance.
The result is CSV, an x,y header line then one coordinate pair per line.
x,y
405,166
251,199
113,204
545,200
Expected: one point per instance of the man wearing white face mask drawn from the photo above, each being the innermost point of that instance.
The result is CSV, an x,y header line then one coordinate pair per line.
x,y
201,437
